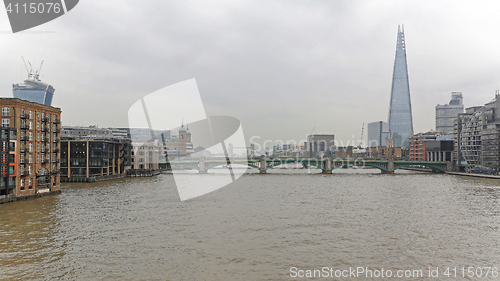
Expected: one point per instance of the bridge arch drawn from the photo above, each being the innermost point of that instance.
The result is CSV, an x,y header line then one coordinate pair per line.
x,y
289,162
433,167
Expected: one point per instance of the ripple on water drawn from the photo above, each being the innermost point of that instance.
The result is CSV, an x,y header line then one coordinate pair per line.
x,y
254,229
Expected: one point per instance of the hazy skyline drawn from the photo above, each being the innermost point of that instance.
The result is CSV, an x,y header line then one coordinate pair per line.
x,y
280,67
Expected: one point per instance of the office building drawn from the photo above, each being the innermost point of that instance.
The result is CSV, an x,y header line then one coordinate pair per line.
x,y
377,133
34,90
91,153
447,113
400,116
320,145
478,138
431,146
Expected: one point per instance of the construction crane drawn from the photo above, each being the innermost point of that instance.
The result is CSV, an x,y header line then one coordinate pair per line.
x,y
361,139
312,130
37,73
409,127
30,72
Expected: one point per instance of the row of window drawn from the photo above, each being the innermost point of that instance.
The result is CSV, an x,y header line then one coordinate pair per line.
x,y
6,112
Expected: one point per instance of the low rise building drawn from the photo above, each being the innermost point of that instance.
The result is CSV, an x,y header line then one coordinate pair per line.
x,y
386,152
147,155
430,146
92,153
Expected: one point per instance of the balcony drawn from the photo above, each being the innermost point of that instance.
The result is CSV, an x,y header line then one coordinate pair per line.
x,y
24,174
24,116
56,150
57,121
57,140
55,160
24,127
45,119
24,138
45,161
56,171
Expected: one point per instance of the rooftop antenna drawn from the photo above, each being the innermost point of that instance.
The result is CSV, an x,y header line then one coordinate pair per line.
x,y
30,73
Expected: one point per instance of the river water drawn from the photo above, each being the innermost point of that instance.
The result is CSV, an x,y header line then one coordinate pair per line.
x,y
257,228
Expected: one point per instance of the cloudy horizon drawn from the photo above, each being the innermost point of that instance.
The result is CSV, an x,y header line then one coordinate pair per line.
x,y
281,68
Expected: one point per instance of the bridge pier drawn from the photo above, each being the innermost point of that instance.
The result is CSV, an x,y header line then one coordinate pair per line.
x,y
263,165
390,166
201,165
328,166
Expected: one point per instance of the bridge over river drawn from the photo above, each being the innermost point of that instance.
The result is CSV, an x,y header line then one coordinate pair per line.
x,y
327,165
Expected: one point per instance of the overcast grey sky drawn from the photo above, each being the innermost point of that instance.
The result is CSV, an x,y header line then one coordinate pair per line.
x,y
280,67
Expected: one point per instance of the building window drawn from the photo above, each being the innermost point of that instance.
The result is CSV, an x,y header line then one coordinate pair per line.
x,y
31,125
5,111
5,122
43,115
30,147
30,181
30,160
30,114
30,136
22,182
22,112
29,171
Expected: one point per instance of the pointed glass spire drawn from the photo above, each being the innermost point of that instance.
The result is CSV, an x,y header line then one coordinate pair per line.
x,y
400,117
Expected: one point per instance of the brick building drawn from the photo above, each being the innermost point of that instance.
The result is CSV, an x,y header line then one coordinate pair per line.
x,y
31,131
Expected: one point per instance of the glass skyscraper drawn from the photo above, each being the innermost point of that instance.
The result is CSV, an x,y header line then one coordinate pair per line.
x,y
34,90
400,117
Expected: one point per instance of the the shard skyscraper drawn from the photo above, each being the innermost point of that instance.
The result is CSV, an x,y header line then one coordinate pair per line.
x,y
400,118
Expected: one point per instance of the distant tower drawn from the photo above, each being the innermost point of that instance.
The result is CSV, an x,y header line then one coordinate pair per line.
x,y
400,117
33,89
184,134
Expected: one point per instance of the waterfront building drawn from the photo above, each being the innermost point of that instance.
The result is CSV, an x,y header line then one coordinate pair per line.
x,y
9,140
478,137
377,133
30,137
92,153
447,113
458,160
431,146
33,89
319,145
147,155
400,115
